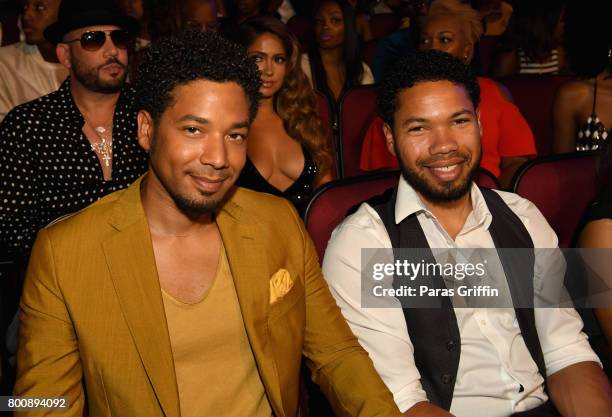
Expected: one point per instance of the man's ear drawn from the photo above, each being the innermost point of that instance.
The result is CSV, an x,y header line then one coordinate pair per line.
x,y
62,50
388,131
145,130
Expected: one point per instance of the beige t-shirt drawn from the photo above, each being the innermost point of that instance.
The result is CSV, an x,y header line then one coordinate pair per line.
x,y
25,75
214,364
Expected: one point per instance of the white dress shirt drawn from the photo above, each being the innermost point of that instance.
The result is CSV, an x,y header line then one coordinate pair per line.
x,y
25,75
496,371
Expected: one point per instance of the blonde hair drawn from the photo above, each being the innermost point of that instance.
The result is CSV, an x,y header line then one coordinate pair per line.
x,y
469,18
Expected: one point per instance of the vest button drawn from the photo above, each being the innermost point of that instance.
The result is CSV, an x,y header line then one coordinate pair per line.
x,y
447,378
451,345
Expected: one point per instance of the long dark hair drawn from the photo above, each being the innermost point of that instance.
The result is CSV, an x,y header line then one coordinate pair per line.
x,y
351,53
295,103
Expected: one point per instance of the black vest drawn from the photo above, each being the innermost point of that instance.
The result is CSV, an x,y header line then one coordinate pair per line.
x,y
434,332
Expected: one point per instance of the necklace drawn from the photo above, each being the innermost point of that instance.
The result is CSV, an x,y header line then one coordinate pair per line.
x,y
104,147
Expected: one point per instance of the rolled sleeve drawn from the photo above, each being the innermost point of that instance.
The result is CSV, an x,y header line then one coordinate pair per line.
x,y
381,331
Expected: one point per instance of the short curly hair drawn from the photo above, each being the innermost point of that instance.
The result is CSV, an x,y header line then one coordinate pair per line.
x,y
189,56
423,66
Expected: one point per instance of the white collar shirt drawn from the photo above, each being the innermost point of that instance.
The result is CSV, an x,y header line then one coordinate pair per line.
x,y
496,372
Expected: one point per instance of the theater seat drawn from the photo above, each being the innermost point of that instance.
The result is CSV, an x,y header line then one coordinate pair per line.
x,y
357,110
561,186
534,97
330,205
301,27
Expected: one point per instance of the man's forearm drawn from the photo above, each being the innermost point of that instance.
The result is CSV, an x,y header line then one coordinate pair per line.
x,y
581,390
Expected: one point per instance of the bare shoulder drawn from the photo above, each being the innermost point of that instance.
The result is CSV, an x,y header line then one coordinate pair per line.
x,y
596,234
576,90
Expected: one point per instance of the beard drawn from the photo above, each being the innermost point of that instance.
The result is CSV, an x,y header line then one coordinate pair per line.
x,y
90,77
192,207
447,191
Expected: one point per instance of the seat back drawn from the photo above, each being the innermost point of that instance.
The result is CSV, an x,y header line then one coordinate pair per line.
x,y
302,28
534,96
357,110
562,187
383,24
330,205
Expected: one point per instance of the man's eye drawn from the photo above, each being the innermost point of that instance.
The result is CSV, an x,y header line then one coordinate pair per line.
x,y
192,130
445,39
237,137
416,129
461,121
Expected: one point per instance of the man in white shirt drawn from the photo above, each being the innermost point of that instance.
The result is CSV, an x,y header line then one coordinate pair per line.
x,y
490,362
30,69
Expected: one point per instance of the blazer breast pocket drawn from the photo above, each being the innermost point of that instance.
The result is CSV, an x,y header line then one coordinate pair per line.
x,y
285,303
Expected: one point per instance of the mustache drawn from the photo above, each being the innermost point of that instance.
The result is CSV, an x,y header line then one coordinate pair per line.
x,y
113,60
445,157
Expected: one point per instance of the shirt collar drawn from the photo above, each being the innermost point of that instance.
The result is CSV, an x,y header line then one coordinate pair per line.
x,y
125,99
408,202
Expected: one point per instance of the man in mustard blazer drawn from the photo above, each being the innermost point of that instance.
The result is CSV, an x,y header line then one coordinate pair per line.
x,y
184,295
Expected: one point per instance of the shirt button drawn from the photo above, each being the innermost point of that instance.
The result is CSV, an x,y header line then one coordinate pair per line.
x,y
451,345
447,378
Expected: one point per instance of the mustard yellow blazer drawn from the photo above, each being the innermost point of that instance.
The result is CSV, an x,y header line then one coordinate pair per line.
x,y
93,326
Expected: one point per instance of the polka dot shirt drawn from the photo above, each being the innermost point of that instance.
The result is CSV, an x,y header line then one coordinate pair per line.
x,y
47,166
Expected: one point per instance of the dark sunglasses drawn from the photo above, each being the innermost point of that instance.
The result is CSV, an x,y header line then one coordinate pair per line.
x,y
95,39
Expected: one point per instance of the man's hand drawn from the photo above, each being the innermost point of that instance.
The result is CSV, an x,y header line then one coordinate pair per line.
x,y
426,409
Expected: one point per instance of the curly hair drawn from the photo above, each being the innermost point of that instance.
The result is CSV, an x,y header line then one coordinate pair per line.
x,y
296,102
469,18
423,66
189,56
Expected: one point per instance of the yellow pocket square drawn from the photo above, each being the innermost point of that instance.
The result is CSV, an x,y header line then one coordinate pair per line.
x,y
280,284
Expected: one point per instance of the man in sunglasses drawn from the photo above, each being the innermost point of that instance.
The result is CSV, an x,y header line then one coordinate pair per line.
x,y
29,68
63,151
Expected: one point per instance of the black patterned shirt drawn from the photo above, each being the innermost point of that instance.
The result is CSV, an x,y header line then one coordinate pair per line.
x,y
47,166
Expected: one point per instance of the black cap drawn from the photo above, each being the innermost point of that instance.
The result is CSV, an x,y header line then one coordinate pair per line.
x,y
76,14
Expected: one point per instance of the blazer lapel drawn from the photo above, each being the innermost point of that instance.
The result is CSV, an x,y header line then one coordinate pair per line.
x,y
249,265
130,258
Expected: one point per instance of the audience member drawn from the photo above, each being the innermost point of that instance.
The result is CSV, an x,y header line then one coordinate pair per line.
x,y
288,147
402,42
162,18
116,296
507,140
30,69
237,11
362,20
494,14
65,150
582,110
459,361
200,14
533,41
334,64
597,231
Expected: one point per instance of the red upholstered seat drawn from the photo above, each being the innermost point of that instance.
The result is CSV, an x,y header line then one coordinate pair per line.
x,y
332,202
302,29
534,97
383,24
357,110
561,186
